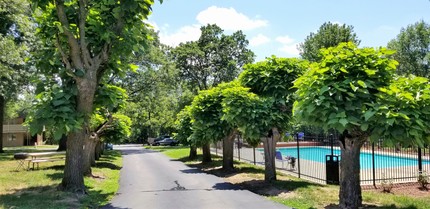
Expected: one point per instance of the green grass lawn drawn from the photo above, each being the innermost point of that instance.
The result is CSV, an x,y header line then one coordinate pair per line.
x,y
38,188
299,193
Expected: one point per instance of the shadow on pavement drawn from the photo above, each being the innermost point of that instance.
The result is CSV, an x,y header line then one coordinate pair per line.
x,y
110,206
136,151
225,186
192,171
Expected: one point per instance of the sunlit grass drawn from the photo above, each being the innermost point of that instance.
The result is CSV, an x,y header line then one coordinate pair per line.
x,y
38,188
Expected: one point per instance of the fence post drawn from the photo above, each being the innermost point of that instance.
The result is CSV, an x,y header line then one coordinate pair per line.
x,y
253,149
420,161
298,154
238,146
373,165
331,143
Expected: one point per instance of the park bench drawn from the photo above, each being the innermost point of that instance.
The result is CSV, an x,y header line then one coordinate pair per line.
x,y
43,160
37,158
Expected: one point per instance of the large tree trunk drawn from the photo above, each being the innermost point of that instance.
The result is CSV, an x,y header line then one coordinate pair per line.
x,y
99,150
227,151
1,122
350,190
269,144
89,153
193,152
206,148
62,145
73,179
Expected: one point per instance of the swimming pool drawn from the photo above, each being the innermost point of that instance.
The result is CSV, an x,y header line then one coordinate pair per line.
x,y
318,154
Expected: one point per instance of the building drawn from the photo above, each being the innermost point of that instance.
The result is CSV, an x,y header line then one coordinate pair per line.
x,y
15,134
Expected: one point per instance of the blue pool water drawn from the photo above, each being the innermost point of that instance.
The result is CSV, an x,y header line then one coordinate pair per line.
x,y
318,154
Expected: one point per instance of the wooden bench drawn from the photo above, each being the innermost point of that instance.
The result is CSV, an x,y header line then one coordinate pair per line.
x,y
42,160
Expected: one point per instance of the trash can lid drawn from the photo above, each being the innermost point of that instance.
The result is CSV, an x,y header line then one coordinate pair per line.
x,y
20,155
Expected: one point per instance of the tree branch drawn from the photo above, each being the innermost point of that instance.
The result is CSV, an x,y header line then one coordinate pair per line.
x,y
82,38
105,125
73,43
64,56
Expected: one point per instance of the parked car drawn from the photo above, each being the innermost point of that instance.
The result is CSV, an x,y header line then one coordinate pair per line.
x,y
167,141
109,146
156,140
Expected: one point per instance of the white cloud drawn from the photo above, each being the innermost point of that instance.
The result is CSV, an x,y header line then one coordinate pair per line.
x,y
258,40
284,39
184,34
338,23
228,19
289,45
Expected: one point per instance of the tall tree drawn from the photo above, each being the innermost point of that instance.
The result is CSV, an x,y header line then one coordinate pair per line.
x,y
91,39
208,125
412,47
155,91
328,35
16,35
184,129
212,59
271,80
353,91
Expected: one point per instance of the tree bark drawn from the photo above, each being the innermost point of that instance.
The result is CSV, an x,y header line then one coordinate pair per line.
x,y
269,144
350,189
62,145
73,179
98,153
1,121
206,153
227,151
193,152
89,156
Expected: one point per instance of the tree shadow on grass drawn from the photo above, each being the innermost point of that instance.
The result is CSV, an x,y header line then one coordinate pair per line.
x,y
56,167
249,169
39,197
51,197
55,176
95,199
107,165
274,188
368,206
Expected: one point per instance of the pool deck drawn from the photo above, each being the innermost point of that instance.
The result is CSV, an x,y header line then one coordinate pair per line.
x,y
316,171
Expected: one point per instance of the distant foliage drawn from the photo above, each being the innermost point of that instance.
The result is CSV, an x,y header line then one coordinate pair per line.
x,y
412,47
212,59
328,35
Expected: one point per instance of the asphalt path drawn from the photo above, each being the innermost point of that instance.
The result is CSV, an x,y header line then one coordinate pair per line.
x,y
149,179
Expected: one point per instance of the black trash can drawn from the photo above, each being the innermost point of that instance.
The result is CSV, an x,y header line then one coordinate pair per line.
x,y
332,169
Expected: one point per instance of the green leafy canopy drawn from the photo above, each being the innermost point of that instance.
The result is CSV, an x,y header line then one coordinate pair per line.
x,y
354,89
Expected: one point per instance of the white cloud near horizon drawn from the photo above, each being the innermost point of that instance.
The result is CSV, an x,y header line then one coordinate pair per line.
x,y
226,18
258,40
229,19
289,45
184,34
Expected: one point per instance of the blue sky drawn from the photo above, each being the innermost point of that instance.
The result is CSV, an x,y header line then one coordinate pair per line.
x,y
275,27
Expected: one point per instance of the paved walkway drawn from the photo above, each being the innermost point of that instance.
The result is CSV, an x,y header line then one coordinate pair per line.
x,y
151,180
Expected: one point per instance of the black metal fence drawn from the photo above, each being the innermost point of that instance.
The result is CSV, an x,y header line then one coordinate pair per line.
x,y
317,158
